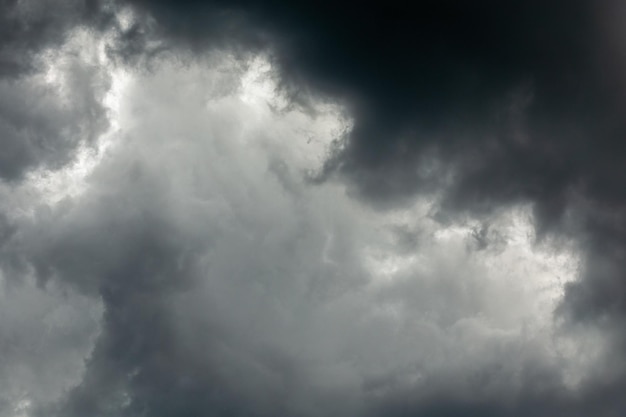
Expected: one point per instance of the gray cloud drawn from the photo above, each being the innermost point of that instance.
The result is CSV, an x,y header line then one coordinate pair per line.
x,y
51,95
232,285
520,102
44,336
445,241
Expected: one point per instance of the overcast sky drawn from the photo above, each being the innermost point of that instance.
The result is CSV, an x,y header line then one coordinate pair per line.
x,y
254,208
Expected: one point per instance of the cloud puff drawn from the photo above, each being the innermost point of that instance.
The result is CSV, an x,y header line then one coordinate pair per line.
x,y
47,114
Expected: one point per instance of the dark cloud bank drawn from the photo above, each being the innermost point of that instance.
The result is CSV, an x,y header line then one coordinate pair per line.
x,y
491,104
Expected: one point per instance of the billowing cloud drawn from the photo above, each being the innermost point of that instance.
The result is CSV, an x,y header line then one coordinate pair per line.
x,y
52,81
256,209
519,102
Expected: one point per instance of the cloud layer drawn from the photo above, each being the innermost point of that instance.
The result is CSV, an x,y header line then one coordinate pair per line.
x,y
256,209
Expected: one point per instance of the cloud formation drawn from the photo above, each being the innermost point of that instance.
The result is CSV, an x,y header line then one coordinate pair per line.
x,y
52,83
260,209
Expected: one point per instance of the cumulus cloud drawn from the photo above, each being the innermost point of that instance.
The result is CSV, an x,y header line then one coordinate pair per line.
x,y
260,209
46,115
519,103
52,80
231,283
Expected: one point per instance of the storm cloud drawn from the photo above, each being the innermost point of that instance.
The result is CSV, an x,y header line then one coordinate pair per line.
x,y
252,208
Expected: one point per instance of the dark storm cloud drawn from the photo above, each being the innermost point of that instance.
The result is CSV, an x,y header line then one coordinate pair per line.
x,y
439,74
224,289
518,101
230,286
514,101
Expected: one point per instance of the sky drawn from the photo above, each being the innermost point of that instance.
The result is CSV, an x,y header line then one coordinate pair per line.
x,y
254,208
